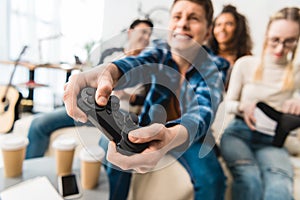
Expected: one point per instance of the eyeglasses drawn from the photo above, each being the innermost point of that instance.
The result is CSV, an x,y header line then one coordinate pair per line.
x,y
287,43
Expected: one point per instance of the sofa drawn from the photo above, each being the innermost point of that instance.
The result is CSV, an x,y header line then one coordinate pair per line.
x,y
171,182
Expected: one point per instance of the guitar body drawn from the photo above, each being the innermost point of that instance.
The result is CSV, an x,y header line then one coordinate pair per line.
x,y
9,110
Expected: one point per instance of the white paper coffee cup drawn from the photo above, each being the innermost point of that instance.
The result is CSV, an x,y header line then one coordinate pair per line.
x,y
64,144
64,153
92,154
13,151
91,158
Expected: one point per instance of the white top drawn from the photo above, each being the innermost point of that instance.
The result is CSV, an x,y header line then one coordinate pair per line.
x,y
264,124
243,89
64,144
92,154
13,142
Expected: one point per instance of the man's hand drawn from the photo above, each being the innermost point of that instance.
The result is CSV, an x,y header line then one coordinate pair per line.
x,y
101,77
161,140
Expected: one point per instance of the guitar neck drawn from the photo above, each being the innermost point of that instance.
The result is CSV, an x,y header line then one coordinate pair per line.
x,y
13,72
5,93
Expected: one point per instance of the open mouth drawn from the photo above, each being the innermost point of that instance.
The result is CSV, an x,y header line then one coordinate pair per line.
x,y
222,35
179,36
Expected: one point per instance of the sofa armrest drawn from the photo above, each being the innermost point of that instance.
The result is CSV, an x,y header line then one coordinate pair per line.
x,y
170,182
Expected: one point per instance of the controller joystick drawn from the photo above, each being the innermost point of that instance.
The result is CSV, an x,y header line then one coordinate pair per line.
x,y
114,123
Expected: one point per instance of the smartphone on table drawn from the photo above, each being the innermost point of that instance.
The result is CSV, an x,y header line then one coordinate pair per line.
x,y
69,186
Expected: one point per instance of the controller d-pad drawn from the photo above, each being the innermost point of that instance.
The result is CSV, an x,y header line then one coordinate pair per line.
x,y
114,103
130,124
118,117
90,92
90,100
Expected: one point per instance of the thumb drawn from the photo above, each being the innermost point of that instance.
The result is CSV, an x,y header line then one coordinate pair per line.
x,y
151,131
103,92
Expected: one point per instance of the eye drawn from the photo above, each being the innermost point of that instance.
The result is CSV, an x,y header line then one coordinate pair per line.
x,y
217,24
229,24
274,40
193,17
290,40
176,17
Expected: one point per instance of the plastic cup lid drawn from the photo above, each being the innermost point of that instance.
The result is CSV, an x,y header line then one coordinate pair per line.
x,y
92,154
13,142
64,144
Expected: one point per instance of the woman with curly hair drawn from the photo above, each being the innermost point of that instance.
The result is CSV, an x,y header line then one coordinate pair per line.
x,y
230,36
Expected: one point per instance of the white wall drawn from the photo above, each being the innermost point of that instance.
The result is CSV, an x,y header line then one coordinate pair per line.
x,y
4,33
119,13
257,13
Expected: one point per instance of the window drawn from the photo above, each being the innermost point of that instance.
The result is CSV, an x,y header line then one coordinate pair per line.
x,y
54,31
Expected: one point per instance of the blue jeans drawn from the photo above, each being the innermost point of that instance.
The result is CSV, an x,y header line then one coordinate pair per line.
x,y
41,129
206,175
259,170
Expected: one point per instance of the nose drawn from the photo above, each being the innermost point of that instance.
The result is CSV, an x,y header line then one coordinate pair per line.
x,y
279,47
221,26
182,23
147,36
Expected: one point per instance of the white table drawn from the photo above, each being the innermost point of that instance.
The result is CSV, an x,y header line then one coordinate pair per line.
x,y
46,167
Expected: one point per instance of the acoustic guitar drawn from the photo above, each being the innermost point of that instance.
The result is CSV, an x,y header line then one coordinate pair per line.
x,y
10,99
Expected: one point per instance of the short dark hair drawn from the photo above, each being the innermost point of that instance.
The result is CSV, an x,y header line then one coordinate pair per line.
x,y
139,21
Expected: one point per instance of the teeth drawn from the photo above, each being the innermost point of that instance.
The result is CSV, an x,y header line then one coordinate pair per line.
x,y
183,37
222,35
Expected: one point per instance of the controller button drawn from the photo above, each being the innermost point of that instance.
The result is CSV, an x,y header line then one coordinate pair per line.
x,y
90,92
114,103
90,100
119,119
117,116
134,118
129,122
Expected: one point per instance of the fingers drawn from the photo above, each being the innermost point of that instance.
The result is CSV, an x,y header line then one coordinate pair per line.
x,y
250,120
147,134
104,89
141,163
291,107
71,90
285,107
97,78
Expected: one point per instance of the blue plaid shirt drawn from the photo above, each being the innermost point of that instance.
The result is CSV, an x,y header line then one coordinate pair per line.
x,y
199,95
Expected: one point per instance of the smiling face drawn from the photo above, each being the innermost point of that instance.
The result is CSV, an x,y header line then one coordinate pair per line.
x,y
139,37
282,38
188,25
225,26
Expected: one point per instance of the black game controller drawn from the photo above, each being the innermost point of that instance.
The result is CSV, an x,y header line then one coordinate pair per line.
x,y
115,124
